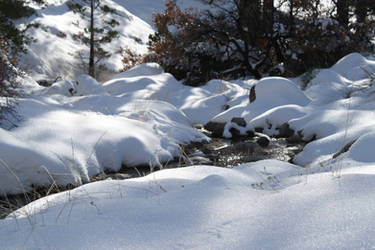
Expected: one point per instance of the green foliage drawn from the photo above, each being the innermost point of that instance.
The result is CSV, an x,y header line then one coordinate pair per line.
x,y
107,9
98,31
15,9
12,43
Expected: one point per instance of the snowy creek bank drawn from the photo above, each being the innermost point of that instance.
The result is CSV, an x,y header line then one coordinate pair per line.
x,y
141,120
217,151
220,152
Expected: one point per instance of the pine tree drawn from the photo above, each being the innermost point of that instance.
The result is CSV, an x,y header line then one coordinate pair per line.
x,y
97,32
12,44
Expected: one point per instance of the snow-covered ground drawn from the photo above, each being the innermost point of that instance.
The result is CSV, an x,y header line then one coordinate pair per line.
x,y
263,205
56,52
140,117
77,128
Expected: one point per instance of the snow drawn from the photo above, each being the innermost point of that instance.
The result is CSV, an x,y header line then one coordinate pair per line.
x,y
140,117
78,128
72,138
56,52
199,104
266,205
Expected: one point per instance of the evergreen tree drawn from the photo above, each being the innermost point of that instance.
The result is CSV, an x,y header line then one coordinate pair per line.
x,y
12,43
98,31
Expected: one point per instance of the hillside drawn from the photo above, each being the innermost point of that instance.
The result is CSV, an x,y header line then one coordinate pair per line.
x,y
55,51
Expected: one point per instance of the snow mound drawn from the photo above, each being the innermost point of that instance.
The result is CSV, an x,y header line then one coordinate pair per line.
x,y
277,91
69,140
267,205
86,85
354,67
200,104
328,86
362,150
146,69
65,88
270,92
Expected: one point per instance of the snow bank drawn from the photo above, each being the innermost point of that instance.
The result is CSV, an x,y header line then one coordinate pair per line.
x,y
277,101
270,92
354,67
71,139
140,117
264,205
362,149
149,82
335,108
340,115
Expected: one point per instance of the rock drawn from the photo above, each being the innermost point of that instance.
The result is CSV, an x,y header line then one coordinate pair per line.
x,y
239,121
285,131
199,160
216,128
250,133
263,140
120,176
48,82
198,126
344,149
252,95
259,129
296,138
235,133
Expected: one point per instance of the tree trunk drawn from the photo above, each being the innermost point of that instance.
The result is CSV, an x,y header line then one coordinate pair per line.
x,y
250,14
92,41
361,11
268,17
343,12
291,17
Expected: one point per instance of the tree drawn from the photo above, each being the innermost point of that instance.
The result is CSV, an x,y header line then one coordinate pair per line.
x,y
255,38
100,29
268,16
12,44
235,39
343,12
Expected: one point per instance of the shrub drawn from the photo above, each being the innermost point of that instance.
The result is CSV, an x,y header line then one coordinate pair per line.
x,y
252,38
130,58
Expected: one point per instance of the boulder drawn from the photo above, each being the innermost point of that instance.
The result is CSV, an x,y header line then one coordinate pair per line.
x,y
285,131
239,121
296,138
263,140
216,128
252,95
250,133
235,133
344,149
259,129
